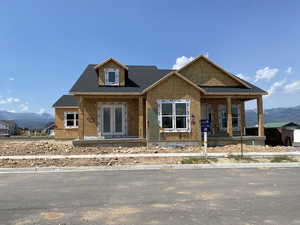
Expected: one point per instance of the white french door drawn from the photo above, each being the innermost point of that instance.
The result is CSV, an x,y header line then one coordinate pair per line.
x,y
113,119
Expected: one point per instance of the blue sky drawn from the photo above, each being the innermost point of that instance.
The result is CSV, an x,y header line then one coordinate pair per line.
x,y
45,45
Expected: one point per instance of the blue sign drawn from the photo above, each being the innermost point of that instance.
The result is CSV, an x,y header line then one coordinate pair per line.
x,y
205,125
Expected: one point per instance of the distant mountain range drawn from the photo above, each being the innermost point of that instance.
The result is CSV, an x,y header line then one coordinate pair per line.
x,y
35,120
291,114
28,120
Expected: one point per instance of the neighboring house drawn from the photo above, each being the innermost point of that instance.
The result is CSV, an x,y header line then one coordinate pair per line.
x,y
116,103
8,128
4,129
49,129
277,133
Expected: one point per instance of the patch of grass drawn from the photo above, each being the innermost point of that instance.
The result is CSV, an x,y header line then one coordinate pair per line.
x,y
196,160
278,159
241,158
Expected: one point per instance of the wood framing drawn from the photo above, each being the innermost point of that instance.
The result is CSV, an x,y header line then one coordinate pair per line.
x,y
229,116
260,116
242,118
141,117
81,118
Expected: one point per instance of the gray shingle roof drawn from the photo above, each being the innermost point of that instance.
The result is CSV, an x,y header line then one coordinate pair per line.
x,y
66,101
138,78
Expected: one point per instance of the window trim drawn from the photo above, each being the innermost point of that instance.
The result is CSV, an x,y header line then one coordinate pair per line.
x,y
173,102
74,120
106,72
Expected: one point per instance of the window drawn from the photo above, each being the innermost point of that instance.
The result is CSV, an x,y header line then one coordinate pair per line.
x,y
174,115
71,119
111,77
235,116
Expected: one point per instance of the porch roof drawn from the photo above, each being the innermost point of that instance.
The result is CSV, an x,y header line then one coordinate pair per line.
x,y
66,101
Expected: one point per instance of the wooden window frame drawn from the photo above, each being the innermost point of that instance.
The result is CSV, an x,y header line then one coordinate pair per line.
x,y
106,74
75,121
187,115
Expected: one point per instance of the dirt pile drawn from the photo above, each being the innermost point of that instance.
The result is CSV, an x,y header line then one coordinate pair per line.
x,y
52,147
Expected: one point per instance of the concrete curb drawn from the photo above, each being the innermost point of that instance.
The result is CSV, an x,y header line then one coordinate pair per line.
x,y
144,155
148,167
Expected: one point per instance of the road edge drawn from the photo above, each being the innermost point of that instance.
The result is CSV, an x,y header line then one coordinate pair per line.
x,y
147,167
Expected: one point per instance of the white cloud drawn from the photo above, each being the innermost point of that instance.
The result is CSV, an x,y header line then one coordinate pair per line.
x,y
12,99
265,73
206,55
292,87
42,110
24,107
11,110
9,100
275,87
244,77
181,61
289,70
11,79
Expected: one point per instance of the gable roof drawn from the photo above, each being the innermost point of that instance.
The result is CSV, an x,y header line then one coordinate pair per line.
x,y
140,78
174,73
113,60
67,101
216,66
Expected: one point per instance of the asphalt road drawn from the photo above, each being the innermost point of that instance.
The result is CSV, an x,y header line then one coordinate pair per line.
x,y
177,197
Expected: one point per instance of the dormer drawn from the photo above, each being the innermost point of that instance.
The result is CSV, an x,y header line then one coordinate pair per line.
x,y
111,73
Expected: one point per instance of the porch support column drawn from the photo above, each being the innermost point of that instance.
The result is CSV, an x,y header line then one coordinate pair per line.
x,y
260,116
141,117
229,116
242,117
81,119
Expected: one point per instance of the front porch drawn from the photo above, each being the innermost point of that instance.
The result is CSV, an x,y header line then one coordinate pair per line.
x,y
139,122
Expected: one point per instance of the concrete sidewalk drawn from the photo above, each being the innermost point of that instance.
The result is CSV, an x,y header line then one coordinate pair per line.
x,y
148,167
144,155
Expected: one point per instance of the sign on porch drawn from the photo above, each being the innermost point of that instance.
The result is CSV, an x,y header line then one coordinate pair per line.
x,y
205,126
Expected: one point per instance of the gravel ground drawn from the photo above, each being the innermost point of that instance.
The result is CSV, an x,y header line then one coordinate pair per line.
x,y
53,147
88,162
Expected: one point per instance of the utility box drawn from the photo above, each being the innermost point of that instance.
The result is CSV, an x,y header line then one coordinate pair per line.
x,y
296,142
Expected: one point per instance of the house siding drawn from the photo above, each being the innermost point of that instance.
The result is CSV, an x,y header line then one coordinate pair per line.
x,y
60,131
173,88
204,73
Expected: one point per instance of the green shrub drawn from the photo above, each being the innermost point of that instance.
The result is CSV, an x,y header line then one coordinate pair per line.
x,y
241,158
278,159
197,160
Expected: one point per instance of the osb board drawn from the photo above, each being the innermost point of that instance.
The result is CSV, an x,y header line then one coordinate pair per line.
x,y
112,65
204,73
66,133
61,132
91,121
173,88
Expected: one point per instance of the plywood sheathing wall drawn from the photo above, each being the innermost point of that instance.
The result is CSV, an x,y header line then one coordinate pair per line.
x,y
91,120
173,88
60,131
204,73
111,64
